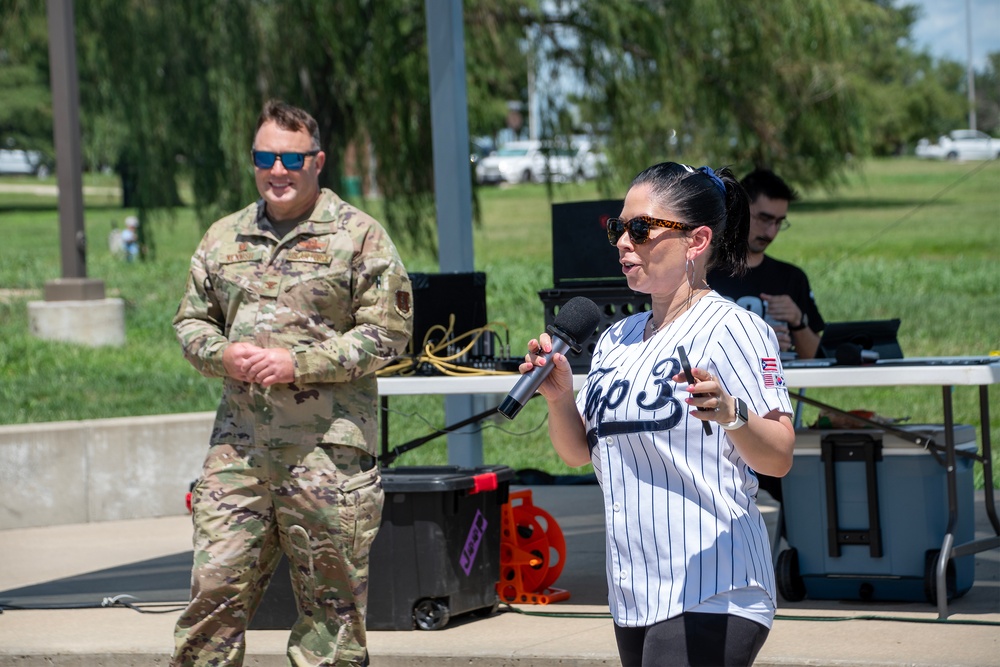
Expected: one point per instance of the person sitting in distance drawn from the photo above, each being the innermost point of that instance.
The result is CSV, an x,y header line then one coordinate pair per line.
x,y
777,291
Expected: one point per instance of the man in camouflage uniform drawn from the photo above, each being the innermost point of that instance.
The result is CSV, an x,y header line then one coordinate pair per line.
x,y
295,302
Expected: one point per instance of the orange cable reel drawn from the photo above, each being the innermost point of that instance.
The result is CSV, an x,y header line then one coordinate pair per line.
x,y
532,553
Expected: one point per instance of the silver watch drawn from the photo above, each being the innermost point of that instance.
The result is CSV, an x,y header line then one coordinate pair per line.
x,y
742,415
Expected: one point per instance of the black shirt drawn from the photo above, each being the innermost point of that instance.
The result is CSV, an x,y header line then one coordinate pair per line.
x,y
771,276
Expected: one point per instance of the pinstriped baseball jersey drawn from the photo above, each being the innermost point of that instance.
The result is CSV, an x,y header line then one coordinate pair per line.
x,y
682,522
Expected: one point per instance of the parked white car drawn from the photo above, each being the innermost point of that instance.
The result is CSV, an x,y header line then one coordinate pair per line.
x,y
533,162
960,145
584,162
26,163
514,162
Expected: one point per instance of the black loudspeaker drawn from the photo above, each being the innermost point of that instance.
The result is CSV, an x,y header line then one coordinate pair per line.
x,y
581,253
440,297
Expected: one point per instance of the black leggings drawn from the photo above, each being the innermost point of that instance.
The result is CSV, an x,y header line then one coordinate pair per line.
x,y
693,638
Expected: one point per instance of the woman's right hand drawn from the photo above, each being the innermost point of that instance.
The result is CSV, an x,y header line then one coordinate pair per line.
x,y
560,379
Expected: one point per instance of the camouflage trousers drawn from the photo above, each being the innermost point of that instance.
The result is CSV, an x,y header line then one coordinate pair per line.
x,y
319,505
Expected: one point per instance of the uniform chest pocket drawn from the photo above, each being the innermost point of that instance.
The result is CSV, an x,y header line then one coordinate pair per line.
x,y
322,283
239,272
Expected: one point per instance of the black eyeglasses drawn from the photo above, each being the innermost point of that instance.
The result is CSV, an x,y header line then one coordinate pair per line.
x,y
638,228
767,220
290,161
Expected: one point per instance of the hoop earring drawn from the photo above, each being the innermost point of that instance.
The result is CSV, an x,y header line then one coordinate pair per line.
x,y
689,270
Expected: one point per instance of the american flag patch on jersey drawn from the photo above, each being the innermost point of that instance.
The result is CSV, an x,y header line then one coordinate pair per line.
x,y
769,364
773,380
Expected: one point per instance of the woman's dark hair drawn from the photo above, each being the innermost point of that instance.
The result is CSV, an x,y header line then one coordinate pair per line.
x,y
703,197
289,118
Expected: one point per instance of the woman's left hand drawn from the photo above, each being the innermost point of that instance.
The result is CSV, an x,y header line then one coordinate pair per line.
x,y
712,402
765,442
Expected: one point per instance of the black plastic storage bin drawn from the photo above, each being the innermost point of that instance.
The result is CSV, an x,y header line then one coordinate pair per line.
x,y
615,303
437,554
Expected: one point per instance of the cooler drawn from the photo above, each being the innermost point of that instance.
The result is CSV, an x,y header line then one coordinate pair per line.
x,y
437,553
866,512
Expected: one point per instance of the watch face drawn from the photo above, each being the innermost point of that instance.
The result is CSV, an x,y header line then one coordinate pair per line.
x,y
742,415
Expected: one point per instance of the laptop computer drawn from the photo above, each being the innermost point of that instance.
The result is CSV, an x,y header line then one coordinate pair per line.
x,y
876,335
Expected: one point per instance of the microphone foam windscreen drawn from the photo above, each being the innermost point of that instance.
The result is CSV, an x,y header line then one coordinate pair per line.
x,y
578,318
848,354
852,354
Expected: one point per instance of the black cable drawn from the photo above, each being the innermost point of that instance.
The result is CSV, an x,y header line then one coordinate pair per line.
x,y
901,619
118,601
114,601
388,458
506,607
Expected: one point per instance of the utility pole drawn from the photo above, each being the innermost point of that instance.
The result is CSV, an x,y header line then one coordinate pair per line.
x,y
69,172
452,187
534,105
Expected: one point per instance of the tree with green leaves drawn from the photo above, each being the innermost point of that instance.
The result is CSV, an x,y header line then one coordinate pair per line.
x,y
184,82
26,101
988,95
170,91
906,93
760,82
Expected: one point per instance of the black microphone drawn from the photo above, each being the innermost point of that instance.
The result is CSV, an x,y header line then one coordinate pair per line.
x,y
574,323
852,354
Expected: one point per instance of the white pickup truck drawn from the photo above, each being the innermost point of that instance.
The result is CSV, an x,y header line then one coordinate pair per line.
x,y
961,145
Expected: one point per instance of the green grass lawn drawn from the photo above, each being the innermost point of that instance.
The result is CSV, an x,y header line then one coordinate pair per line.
x,y
901,238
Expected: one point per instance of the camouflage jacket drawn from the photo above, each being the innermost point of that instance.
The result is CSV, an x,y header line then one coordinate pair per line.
x,y
334,292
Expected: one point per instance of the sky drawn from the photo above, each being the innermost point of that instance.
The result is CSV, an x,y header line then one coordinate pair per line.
x,y
943,31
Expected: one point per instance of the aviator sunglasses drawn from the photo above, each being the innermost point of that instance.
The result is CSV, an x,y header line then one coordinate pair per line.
x,y
290,161
638,228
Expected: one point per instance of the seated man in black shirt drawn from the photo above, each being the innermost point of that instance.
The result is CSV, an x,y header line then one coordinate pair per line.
x,y
777,291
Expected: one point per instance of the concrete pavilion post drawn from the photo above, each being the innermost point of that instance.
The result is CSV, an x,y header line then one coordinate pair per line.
x,y
75,308
453,189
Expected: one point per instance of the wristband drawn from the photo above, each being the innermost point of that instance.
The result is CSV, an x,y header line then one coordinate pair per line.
x,y
803,323
742,415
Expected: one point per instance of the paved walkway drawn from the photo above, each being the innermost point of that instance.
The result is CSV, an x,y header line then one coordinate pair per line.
x,y
148,555
49,190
